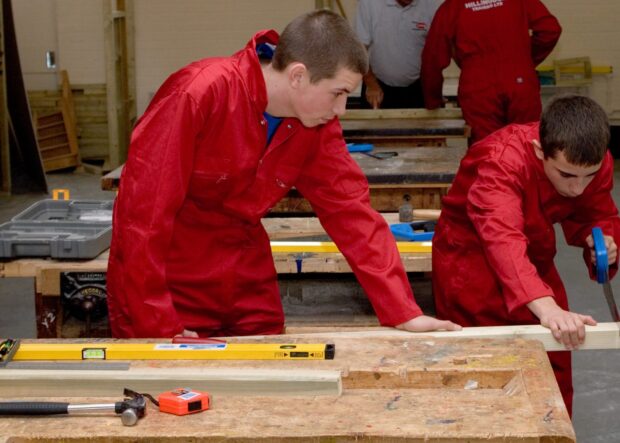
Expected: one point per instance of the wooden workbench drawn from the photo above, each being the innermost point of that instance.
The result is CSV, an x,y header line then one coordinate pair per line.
x,y
404,127
47,274
404,132
424,174
418,389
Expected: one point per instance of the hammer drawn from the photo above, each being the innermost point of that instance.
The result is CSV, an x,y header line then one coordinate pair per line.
x,y
131,409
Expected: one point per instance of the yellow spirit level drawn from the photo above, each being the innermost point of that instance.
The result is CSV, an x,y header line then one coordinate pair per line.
x,y
174,351
319,246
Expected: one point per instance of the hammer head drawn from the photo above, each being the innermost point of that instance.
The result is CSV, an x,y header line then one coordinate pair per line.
x,y
131,409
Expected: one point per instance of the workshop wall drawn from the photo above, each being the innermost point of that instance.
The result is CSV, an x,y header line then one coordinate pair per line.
x,y
73,29
591,29
171,34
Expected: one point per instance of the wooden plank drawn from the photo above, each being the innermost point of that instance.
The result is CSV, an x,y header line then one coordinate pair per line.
x,y
383,198
412,113
394,389
120,79
68,114
601,336
404,127
112,179
599,70
30,379
61,162
404,132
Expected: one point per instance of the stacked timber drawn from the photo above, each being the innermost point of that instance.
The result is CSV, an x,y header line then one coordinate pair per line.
x,y
91,116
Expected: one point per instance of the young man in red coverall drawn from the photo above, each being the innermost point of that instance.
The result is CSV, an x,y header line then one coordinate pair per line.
x,y
494,243
221,142
490,41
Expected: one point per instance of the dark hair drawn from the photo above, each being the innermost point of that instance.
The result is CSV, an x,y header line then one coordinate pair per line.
x,y
324,42
577,126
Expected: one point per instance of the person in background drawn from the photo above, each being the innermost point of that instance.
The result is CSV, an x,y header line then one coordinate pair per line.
x,y
222,141
494,243
497,44
394,31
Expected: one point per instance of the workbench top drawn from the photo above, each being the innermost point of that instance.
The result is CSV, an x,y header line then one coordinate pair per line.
x,y
433,164
404,127
393,389
46,271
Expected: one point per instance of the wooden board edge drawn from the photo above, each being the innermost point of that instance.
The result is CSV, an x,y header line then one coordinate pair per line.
x,y
602,336
16,383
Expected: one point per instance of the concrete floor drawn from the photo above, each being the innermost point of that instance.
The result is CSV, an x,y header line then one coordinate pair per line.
x,y
596,373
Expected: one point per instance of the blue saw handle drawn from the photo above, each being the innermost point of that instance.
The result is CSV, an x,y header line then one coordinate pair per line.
x,y
600,251
405,231
360,147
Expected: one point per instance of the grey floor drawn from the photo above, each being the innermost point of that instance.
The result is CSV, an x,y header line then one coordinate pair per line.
x,y
596,373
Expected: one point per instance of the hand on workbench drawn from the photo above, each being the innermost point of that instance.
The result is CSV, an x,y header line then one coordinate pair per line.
x,y
424,323
567,327
187,333
374,93
610,244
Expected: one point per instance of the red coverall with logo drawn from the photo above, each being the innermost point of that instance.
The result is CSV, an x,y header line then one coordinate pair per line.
x,y
494,244
188,248
490,41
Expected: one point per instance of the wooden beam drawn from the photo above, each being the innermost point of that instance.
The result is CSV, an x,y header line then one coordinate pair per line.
x,y
383,198
68,112
422,114
601,336
120,77
100,382
599,70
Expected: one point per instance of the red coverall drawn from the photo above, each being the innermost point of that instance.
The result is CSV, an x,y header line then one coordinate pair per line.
x,y
494,243
188,248
491,43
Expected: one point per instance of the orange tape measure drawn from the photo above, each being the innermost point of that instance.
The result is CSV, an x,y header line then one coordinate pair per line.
x,y
183,401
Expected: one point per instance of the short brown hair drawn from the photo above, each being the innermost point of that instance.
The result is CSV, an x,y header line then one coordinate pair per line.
x,y
577,126
324,42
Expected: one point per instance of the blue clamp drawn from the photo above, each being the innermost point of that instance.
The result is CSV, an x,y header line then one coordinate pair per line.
x,y
411,231
360,147
600,251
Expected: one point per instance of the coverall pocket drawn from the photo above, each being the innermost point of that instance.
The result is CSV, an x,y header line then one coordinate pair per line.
x,y
209,188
